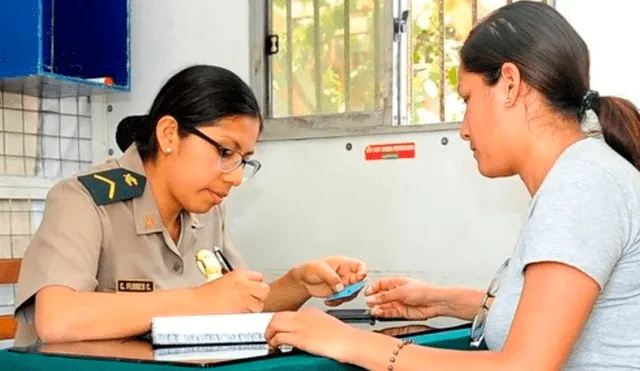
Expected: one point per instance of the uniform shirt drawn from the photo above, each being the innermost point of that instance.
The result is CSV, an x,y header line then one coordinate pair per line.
x,y
120,246
585,215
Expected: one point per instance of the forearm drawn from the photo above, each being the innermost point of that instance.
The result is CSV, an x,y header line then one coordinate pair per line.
x,y
64,315
460,303
285,294
373,351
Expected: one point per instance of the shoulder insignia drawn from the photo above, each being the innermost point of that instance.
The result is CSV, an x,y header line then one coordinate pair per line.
x,y
113,185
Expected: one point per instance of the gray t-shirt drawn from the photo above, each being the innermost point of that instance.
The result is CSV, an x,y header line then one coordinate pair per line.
x,y
586,214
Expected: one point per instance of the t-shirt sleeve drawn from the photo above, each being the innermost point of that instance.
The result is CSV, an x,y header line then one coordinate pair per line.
x,y
65,250
580,218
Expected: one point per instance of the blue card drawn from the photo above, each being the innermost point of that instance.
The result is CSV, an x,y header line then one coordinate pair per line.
x,y
348,291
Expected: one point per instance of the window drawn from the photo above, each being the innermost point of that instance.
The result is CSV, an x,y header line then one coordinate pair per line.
x,y
322,66
438,30
327,61
41,141
335,67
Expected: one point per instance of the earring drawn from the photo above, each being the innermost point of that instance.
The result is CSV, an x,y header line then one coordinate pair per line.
x,y
507,100
168,150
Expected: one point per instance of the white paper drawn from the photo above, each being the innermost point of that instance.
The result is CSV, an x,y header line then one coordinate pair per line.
x,y
215,352
210,329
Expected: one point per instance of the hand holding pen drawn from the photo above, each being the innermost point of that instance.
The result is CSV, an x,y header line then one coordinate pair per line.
x,y
212,264
238,290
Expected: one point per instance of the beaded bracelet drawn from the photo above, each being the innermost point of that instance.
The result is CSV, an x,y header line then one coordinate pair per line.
x,y
392,359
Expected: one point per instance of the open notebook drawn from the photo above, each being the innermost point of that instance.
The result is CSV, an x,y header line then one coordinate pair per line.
x,y
213,329
211,352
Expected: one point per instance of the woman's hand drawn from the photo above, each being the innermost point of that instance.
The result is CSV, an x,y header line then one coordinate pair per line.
x,y
243,292
321,278
400,297
312,331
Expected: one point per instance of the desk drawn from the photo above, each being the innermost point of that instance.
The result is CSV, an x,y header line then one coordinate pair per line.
x,y
453,338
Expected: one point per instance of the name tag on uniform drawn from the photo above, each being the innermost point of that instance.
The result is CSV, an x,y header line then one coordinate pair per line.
x,y
134,286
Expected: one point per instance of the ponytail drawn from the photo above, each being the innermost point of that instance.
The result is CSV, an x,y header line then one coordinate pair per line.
x,y
620,121
132,129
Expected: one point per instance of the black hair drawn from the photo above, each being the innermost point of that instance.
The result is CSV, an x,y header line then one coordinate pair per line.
x,y
197,95
554,60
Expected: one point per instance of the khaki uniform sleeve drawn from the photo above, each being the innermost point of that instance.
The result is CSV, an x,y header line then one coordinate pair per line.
x,y
65,249
230,251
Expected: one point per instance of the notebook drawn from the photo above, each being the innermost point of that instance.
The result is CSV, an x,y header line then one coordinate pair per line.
x,y
211,352
212,329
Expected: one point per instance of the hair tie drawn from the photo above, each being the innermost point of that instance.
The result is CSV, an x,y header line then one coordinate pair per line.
x,y
587,101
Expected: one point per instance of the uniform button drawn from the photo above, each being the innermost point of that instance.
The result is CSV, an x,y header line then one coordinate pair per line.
x,y
177,267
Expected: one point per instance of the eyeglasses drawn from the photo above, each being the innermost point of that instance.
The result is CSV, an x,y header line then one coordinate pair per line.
x,y
477,328
229,160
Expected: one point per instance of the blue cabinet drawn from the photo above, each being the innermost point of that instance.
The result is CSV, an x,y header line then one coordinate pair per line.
x,y
59,48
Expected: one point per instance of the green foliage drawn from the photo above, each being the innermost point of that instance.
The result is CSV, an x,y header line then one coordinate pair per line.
x,y
425,57
333,71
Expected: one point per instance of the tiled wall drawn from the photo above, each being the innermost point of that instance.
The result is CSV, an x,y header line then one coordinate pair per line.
x,y
41,138
44,137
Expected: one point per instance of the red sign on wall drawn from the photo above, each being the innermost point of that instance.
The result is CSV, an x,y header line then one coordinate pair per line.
x,y
390,151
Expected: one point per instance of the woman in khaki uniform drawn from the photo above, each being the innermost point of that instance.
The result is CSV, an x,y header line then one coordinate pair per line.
x,y
117,244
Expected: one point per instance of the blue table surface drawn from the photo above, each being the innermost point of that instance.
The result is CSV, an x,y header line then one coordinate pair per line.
x,y
34,359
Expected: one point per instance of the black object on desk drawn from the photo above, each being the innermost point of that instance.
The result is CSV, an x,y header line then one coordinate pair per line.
x,y
360,316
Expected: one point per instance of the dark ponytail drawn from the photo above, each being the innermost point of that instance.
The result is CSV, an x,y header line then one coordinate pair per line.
x,y
197,95
620,121
554,60
127,129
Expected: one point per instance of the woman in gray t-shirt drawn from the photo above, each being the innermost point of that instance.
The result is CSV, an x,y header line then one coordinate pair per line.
x,y
569,296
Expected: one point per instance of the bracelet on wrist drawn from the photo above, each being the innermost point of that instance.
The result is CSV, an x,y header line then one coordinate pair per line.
x,y
392,359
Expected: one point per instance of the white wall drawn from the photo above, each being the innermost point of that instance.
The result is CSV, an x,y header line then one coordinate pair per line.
x,y
168,35
432,217
610,29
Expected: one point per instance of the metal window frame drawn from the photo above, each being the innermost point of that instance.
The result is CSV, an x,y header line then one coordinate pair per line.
x,y
391,119
321,125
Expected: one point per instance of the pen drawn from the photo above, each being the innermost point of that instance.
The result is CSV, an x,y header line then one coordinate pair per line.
x,y
222,259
